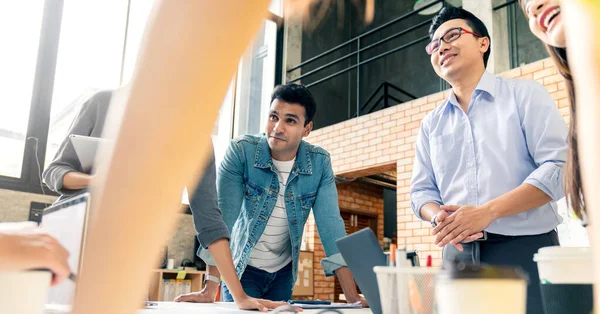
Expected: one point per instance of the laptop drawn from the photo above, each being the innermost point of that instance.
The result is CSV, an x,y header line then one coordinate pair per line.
x,y
87,149
67,222
362,252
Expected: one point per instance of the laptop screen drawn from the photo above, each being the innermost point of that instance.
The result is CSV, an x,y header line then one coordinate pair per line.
x,y
66,221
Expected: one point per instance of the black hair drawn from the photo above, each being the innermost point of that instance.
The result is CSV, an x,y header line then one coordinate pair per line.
x,y
451,13
296,94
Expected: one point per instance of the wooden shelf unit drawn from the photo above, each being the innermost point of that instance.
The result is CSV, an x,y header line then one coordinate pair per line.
x,y
158,275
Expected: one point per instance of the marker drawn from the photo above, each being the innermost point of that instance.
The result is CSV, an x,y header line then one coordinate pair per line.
x,y
392,256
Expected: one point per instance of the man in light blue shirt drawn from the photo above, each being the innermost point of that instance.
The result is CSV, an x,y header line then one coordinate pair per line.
x,y
489,159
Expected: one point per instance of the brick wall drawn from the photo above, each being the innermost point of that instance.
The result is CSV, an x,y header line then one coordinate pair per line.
x,y
352,195
385,139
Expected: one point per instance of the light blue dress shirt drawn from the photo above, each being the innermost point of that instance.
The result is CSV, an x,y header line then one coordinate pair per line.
x,y
512,134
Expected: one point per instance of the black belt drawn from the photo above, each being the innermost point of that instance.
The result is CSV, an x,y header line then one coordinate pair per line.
x,y
495,236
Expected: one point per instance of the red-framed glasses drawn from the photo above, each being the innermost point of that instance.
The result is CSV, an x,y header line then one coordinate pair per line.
x,y
448,37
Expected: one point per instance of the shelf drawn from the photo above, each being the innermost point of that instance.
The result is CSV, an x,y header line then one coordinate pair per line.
x,y
158,275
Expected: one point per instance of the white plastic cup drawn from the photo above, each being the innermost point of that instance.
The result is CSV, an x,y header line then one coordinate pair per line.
x,y
24,292
475,290
170,263
566,279
565,265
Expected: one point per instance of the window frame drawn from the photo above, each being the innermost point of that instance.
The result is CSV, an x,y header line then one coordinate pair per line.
x,y
42,91
41,99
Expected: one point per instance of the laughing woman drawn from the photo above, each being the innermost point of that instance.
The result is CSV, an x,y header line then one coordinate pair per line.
x,y
546,23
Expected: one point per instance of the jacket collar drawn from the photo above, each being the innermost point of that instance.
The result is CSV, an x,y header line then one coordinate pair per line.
x,y
263,159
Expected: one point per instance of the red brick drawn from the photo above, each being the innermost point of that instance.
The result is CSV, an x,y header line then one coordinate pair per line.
x,y
412,125
516,72
398,115
413,240
564,103
357,127
532,67
428,107
549,63
390,124
383,146
553,79
403,121
428,239
551,88
383,133
421,247
422,232
376,114
529,77
375,128
383,159
413,225
412,111
383,119
403,148
544,73
559,95
436,96
418,117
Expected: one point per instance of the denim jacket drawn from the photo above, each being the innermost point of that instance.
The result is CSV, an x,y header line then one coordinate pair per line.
x,y
248,187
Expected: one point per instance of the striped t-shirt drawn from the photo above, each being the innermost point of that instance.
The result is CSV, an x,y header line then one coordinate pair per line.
x,y
273,250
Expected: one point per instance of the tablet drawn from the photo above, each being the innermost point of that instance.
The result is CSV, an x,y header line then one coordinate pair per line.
x,y
86,148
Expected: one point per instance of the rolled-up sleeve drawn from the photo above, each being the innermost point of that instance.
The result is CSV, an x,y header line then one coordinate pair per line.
x,y
328,220
332,263
546,135
208,218
423,187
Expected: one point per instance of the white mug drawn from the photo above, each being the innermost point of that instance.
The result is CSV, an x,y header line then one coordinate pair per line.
x,y
24,292
473,289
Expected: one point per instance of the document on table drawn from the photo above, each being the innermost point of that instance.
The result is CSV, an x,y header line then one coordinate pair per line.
x,y
355,305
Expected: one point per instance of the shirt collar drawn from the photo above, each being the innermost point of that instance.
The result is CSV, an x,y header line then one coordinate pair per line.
x,y
487,84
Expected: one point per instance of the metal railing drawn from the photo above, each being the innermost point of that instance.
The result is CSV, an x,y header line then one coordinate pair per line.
x,y
357,42
383,101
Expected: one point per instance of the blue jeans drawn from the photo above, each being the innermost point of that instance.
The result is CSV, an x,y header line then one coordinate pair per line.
x,y
258,283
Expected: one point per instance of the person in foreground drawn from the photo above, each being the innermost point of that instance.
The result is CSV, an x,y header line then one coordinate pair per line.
x,y
546,23
26,247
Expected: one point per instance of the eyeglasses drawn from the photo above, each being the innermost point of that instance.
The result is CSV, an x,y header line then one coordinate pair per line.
x,y
448,37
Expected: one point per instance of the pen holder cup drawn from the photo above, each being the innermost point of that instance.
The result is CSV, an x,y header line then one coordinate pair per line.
x,y
407,290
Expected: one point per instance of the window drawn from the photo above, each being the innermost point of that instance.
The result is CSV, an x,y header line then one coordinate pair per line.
x,y
98,45
255,81
18,63
91,45
139,12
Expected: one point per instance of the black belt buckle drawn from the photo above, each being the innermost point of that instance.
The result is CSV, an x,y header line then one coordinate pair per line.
x,y
484,238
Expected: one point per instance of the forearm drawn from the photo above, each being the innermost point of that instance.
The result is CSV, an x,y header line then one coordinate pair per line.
x,y
76,180
429,210
347,282
523,198
222,256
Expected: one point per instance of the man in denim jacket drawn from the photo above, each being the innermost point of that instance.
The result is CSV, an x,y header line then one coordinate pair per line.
x,y
267,186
